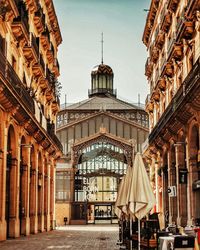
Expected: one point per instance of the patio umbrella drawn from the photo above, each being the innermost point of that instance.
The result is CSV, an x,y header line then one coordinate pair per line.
x,y
123,204
141,197
118,211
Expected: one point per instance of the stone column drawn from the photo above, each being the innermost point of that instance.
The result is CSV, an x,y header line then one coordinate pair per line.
x,y
178,221
189,187
14,201
47,197
169,183
2,197
52,196
33,200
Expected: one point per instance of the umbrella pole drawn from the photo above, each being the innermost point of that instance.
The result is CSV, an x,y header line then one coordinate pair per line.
x,y
130,233
138,234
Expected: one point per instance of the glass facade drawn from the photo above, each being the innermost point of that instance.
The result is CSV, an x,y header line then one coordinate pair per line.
x,y
100,168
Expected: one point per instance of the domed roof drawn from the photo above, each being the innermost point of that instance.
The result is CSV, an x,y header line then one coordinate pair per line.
x,y
102,69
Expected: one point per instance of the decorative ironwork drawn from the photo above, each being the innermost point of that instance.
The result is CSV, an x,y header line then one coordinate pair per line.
x,y
107,138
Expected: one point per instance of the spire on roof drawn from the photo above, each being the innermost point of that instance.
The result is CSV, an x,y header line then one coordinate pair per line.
x,y
102,47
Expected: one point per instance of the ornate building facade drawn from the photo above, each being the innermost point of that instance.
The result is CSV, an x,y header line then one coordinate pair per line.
x,y
99,136
29,102
172,38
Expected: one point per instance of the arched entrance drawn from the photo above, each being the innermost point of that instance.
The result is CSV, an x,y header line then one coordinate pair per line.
x,y
100,163
11,182
32,192
195,172
23,186
40,187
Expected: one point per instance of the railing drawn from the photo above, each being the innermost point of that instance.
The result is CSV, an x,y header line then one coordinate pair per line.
x,y
190,3
147,99
2,45
102,91
157,31
7,70
157,75
147,63
46,33
151,86
51,132
52,49
180,22
162,14
181,95
41,61
50,78
23,16
39,13
170,45
162,63
56,63
35,44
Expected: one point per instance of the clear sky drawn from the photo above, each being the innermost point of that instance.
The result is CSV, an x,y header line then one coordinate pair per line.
x,y
81,23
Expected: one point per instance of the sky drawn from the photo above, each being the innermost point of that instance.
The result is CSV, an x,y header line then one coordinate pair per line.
x,y
81,24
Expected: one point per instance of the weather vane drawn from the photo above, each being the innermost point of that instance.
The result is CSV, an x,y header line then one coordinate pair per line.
x,y
102,47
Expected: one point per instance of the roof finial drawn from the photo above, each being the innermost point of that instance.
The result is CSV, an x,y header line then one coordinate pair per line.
x,y
102,47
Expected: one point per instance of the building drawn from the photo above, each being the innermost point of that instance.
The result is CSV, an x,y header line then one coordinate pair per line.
x,y
172,38
29,102
99,137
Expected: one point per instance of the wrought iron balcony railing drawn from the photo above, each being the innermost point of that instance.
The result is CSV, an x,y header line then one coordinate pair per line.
x,y
16,84
189,83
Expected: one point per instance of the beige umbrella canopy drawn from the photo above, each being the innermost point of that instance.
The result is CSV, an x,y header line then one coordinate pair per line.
x,y
123,196
118,212
141,197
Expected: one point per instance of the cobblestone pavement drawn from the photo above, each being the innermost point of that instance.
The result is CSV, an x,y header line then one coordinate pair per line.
x,y
90,237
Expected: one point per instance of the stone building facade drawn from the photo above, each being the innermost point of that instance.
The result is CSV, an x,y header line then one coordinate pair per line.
x,y
29,102
172,38
99,136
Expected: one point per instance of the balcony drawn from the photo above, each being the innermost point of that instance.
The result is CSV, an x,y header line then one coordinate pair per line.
x,y
169,69
149,106
148,67
170,45
162,84
165,19
55,105
32,5
174,49
163,63
15,84
31,51
39,20
177,52
160,39
154,53
39,68
56,67
50,53
20,25
51,133
184,28
172,5
157,75
192,7
9,10
45,38
155,96
186,93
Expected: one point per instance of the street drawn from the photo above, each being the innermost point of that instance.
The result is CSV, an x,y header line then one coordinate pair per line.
x,y
98,237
